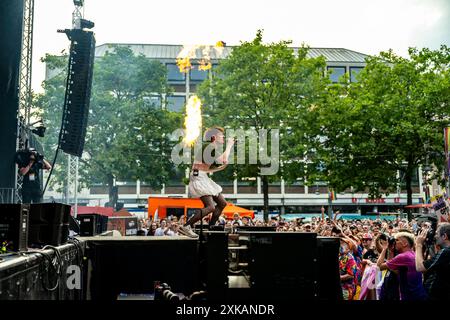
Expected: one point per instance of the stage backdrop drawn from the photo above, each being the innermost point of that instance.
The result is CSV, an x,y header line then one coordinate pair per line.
x,y
11,20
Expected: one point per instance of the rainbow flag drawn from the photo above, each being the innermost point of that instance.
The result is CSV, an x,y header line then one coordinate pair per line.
x,y
447,147
332,194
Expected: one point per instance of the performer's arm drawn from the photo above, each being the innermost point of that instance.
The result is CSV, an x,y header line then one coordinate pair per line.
x,y
224,157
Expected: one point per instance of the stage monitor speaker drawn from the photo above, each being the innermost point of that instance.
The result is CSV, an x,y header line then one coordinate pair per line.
x,y
14,226
78,92
11,25
49,213
92,224
49,224
102,224
283,266
88,224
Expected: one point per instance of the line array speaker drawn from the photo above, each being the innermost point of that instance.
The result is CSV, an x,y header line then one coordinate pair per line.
x,y
78,91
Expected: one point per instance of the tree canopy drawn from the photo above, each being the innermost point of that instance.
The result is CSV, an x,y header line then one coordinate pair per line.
x,y
391,120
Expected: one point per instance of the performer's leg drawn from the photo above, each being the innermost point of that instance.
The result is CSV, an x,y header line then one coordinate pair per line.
x,y
221,204
209,207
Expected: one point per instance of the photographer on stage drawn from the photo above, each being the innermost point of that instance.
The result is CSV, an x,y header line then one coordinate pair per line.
x,y
31,185
436,269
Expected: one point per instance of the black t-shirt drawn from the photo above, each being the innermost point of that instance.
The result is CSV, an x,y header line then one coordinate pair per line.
x,y
31,179
437,276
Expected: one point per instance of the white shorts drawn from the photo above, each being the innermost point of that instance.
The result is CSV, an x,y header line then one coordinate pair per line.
x,y
202,185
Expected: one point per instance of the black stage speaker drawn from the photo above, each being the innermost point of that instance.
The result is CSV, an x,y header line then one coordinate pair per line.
x,y
132,266
78,91
14,226
88,224
92,224
217,264
283,266
11,25
330,283
49,224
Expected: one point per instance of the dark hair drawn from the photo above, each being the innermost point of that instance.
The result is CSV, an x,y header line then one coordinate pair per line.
x,y
383,236
444,228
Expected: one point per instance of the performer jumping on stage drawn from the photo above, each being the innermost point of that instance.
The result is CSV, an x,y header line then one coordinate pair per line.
x,y
201,186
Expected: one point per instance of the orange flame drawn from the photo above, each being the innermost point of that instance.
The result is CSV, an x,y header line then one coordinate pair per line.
x,y
184,64
193,120
190,52
204,65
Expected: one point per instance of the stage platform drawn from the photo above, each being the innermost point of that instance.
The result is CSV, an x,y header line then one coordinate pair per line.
x,y
260,265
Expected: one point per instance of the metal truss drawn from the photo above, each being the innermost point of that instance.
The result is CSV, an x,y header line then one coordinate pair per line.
x,y
71,191
25,93
72,161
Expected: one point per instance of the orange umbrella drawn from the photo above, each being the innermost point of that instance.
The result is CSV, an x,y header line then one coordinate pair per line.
x,y
231,209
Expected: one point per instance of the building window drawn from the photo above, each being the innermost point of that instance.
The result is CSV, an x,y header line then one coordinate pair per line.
x,y
153,101
335,73
197,75
176,103
354,72
174,74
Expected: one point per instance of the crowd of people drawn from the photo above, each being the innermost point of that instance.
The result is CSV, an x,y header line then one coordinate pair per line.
x,y
378,259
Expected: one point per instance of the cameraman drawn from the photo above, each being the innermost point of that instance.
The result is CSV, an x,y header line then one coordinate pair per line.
x,y
436,269
31,186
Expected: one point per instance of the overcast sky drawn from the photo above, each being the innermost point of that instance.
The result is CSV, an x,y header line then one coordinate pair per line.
x,y
367,26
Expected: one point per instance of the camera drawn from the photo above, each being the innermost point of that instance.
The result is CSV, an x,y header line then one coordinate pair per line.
x,y
163,292
390,240
432,220
23,158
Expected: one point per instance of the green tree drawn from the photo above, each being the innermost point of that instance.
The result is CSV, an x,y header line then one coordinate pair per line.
x,y
390,121
264,86
126,134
